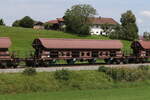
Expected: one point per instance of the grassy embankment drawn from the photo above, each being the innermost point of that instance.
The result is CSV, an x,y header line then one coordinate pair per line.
x,y
74,80
22,38
80,85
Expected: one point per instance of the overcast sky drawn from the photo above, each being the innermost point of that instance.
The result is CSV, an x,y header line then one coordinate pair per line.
x,y
44,10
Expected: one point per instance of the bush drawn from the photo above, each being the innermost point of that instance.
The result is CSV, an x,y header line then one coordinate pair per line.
x,y
29,71
62,75
144,68
125,74
16,23
103,69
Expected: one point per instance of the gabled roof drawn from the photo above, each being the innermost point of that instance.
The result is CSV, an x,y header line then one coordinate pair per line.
x,y
94,20
60,19
79,44
145,44
5,42
53,21
101,20
56,21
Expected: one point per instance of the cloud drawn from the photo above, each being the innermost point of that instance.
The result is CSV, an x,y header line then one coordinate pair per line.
x,y
145,13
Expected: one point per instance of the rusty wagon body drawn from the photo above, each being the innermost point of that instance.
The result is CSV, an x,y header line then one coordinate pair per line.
x,y
48,50
141,50
6,58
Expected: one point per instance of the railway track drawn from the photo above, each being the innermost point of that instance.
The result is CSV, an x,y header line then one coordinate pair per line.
x,y
76,67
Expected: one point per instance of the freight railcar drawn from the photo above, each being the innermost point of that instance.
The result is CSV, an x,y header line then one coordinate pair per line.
x,y
47,51
6,58
141,51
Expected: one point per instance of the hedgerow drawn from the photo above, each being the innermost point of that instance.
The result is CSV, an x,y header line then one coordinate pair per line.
x,y
126,74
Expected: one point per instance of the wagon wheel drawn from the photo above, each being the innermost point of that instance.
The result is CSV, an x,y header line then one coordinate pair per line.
x,y
70,61
118,61
15,64
31,63
92,61
3,65
45,63
108,61
125,61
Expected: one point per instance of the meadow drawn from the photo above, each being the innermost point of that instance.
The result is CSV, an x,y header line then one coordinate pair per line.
x,y
138,93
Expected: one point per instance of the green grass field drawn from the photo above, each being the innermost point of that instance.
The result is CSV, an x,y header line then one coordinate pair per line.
x,y
22,38
140,93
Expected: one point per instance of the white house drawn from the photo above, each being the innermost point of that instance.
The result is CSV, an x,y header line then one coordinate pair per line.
x,y
96,28
38,25
97,23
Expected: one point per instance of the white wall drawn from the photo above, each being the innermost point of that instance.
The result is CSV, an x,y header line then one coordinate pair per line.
x,y
97,30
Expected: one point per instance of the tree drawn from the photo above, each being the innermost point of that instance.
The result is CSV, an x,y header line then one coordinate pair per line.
x,y
76,19
48,25
26,22
146,35
117,33
129,27
16,23
2,22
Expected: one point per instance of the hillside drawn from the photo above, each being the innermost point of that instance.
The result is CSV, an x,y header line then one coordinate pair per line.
x,y
22,37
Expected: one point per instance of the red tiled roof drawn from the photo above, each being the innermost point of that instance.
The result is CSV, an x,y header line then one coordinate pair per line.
x,y
56,21
101,20
60,19
79,44
5,42
97,20
53,21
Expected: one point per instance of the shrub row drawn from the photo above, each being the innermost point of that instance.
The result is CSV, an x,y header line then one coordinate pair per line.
x,y
126,74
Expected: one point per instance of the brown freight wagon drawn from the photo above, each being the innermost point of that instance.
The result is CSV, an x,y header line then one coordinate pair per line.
x,y
48,50
6,59
141,50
